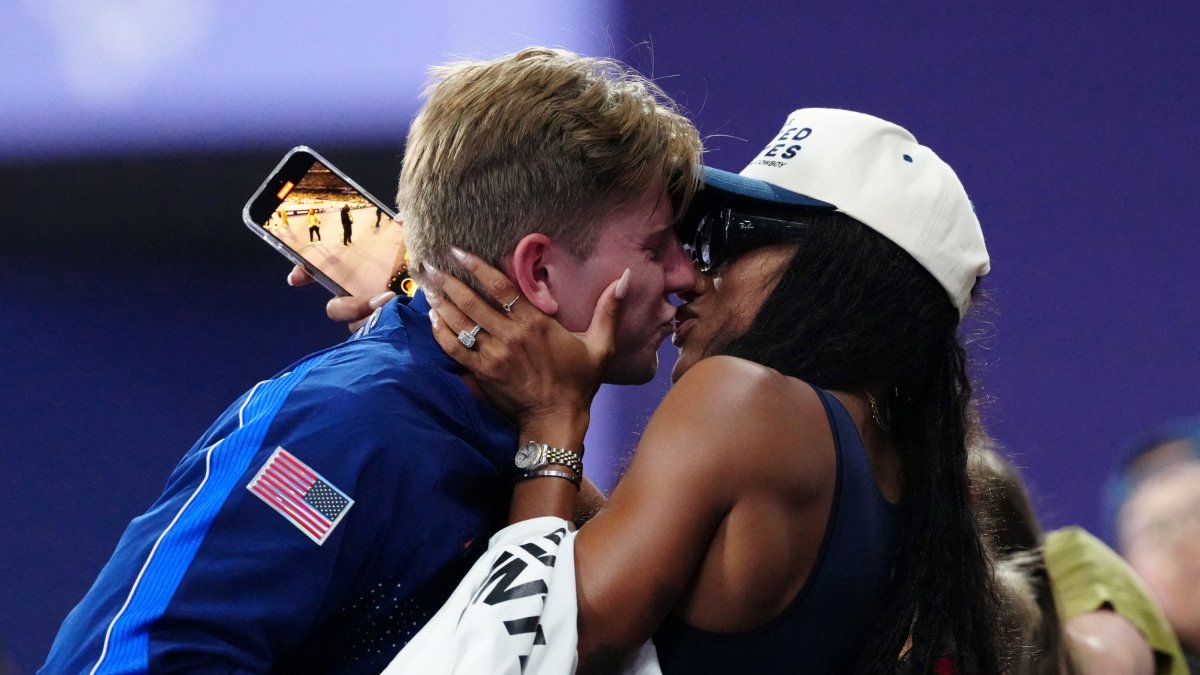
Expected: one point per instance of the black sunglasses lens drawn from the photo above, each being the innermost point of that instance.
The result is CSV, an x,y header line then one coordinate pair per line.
x,y
706,248
723,235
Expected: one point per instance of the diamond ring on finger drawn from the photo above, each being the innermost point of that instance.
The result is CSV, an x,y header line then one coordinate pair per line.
x,y
467,337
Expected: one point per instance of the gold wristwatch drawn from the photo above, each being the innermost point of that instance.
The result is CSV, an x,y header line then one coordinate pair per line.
x,y
533,456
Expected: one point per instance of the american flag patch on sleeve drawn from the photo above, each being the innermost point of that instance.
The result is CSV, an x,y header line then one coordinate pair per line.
x,y
300,495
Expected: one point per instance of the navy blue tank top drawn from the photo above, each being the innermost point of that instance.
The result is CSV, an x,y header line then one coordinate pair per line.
x,y
826,626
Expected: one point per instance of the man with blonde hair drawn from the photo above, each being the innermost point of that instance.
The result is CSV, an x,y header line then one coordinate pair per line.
x,y
330,511
592,166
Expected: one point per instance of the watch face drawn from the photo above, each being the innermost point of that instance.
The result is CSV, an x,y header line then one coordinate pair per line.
x,y
527,456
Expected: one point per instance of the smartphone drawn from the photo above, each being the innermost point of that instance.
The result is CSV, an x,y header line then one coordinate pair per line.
x,y
326,223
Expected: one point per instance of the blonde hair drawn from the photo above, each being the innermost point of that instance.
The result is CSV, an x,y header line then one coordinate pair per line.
x,y
543,140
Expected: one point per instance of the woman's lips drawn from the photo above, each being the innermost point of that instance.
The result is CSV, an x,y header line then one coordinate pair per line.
x,y
684,322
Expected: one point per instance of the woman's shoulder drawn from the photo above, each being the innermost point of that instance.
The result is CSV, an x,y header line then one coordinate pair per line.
x,y
725,404
728,381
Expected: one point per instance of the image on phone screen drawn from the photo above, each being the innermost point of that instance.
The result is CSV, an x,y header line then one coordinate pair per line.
x,y
335,229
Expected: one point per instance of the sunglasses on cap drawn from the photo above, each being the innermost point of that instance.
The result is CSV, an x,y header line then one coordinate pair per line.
x,y
723,235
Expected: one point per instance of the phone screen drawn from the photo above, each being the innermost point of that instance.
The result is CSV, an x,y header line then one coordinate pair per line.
x,y
320,219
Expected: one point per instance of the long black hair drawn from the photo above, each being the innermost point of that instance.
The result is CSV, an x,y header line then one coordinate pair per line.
x,y
853,311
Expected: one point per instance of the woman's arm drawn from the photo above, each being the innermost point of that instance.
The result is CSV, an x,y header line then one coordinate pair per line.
x,y
714,440
588,502
727,493
638,555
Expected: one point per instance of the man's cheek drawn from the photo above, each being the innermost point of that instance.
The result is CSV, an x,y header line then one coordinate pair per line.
x,y
630,332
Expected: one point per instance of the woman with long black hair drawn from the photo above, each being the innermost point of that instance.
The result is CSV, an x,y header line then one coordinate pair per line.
x,y
799,501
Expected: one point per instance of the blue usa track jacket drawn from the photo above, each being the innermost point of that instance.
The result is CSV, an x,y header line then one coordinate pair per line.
x,y
315,527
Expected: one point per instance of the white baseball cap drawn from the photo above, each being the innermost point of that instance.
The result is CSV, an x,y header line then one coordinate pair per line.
x,y
875,172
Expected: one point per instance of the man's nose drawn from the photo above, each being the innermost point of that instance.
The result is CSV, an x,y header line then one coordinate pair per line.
x,y
682,276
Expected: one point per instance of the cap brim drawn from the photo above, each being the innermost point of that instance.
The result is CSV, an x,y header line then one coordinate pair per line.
x,y
761,190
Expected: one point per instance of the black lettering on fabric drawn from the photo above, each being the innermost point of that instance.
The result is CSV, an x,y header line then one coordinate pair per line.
x,y
501,586
502,579
539,554
526,624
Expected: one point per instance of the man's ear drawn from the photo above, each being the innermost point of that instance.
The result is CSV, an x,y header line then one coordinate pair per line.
x,y
536,265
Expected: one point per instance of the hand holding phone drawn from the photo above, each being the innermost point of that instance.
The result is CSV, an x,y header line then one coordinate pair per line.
x,y
349,309
324,222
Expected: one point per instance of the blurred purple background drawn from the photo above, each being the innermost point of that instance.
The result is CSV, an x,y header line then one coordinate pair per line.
x,y
135,306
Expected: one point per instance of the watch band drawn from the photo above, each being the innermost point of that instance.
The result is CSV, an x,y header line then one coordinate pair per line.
x,y
535,455
551,473
564,457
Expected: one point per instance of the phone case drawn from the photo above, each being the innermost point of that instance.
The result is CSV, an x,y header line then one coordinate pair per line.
x,y
306,194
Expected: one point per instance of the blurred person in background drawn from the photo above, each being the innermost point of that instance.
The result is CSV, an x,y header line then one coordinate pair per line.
x,y
1158,525
1072,604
